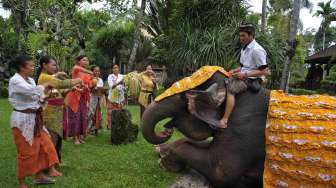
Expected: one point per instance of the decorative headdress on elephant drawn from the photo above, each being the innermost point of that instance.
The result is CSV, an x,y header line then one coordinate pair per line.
x,y
205,103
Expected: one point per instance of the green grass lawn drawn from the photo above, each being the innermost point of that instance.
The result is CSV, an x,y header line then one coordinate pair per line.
x,y
96,163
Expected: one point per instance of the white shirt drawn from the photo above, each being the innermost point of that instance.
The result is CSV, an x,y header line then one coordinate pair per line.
x,y
112,80
24,95
100,82
253,57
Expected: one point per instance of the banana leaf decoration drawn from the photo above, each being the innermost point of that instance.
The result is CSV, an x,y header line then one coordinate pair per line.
x,y
133,85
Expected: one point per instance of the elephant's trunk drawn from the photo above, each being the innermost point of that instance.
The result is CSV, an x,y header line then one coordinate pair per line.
x,y
156,112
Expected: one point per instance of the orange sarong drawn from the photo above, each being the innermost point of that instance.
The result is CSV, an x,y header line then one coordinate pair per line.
x,y
34,158
98,117
73,97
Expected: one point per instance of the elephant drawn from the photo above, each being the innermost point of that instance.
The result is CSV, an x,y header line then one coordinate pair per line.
x,y
232,157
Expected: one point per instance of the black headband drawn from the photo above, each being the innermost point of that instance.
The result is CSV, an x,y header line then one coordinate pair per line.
x,y
248,28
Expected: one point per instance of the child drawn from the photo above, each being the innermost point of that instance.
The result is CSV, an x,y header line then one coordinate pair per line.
x,y
96,101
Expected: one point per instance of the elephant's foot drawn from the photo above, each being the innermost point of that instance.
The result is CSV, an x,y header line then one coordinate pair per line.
x,y
162,150
168,160
170,165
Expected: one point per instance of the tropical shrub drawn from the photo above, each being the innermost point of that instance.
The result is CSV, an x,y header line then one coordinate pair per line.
x,y
122,128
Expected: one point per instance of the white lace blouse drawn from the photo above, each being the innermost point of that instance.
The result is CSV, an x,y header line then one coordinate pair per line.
x,y
24,94
112,80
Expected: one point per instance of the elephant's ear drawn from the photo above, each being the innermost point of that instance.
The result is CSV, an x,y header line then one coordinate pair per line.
x,y
204,104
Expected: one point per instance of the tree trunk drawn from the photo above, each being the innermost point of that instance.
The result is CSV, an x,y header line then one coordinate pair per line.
x,y
137,35
323,42
331,17
81,42
17,26
293,27
264,16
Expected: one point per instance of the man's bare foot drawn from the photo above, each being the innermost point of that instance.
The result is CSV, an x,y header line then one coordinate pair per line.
x,y
223,123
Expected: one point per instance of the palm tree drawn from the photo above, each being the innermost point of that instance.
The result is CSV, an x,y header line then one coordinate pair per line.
x,y
264,16
293,28
157,12
324,11
331,17
137,33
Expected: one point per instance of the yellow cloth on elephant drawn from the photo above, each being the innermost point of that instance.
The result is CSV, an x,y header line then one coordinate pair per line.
x,y
196,79
300,141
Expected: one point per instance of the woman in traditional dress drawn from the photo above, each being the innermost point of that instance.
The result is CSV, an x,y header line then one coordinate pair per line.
x,y
35,150
148,87
53,114
78,101
116,97
96,102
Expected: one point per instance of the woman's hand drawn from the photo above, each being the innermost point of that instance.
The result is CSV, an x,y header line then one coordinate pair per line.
x,y
47,86
121,82
88,72
240,75
154,79
77,87
77,81
60,75
151,73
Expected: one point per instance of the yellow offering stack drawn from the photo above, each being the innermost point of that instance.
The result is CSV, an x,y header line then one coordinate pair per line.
x,y
191,82
300,141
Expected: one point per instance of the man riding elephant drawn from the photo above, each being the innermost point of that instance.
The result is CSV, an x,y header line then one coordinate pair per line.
x,y
253,68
